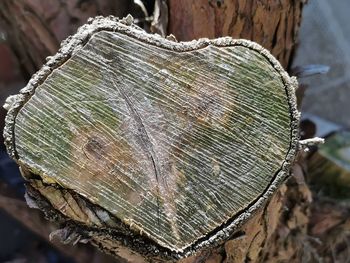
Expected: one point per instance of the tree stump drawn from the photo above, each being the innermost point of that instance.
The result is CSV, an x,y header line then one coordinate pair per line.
x,y
150,148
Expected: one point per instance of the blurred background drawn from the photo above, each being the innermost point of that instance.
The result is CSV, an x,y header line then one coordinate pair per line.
x,y
324,41
324,38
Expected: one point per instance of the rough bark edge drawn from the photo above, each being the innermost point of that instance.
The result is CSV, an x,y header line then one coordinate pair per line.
x,y
120,236
74,43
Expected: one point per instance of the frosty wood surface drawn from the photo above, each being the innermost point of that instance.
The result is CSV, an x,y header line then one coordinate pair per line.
x,y
172,143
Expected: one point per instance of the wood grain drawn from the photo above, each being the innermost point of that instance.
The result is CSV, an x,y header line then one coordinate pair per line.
x,y
179,141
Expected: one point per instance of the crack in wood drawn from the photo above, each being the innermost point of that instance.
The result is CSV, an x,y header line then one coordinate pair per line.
x,y
148,147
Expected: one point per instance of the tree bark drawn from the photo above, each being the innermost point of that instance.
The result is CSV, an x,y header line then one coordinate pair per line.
x,y
34,221
273,24
36,28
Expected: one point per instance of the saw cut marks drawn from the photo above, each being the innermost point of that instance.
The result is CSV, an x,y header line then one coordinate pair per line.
x,y
173,142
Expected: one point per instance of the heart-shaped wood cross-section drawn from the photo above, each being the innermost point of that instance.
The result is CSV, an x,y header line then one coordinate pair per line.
x,y
179,141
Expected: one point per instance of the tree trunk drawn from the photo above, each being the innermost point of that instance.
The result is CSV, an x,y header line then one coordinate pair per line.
x,y
261,237
36,28
108,158
272,24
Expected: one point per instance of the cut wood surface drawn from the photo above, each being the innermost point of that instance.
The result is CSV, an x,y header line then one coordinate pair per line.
x,y
178,143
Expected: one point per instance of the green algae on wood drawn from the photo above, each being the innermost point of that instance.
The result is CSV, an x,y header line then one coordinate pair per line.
x,y
181,142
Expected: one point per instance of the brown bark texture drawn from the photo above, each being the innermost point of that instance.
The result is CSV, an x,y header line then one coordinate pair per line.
x,y
273,24
36,28
34,221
